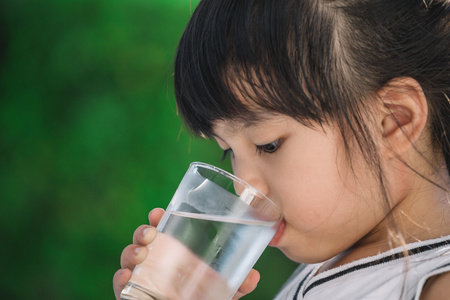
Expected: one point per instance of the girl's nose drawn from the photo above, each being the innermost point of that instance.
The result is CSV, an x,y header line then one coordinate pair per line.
x,y
253,177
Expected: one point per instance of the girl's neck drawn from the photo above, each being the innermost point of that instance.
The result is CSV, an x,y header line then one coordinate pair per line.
x,y
415,218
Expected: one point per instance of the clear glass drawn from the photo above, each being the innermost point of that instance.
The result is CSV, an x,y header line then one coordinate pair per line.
x,y
211,235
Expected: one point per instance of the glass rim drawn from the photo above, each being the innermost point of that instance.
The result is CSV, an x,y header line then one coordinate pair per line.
x,y
237,179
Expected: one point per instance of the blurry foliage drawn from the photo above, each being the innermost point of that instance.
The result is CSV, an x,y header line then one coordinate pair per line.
x,y
90,141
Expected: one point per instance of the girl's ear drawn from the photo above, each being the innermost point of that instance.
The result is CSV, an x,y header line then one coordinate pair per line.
x,y
403,116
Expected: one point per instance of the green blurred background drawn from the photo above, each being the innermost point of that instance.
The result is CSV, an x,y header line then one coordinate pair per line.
x,y
90,141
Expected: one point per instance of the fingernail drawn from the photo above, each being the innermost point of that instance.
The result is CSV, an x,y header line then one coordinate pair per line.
x,y
149,231
144,233
137,250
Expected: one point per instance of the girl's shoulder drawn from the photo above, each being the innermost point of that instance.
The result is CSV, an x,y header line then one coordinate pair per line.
x,y
396,274
437,286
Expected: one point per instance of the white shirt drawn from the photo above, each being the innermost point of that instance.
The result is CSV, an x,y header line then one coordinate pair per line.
x,y
388,275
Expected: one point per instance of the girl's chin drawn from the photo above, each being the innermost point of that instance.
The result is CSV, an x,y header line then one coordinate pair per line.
x,y
278,235
297,251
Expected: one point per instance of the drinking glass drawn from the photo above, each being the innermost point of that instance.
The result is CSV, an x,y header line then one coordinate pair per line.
x,y
211,235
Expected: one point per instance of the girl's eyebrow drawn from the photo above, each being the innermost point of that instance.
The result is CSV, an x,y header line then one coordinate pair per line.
x,y
252,121
234,126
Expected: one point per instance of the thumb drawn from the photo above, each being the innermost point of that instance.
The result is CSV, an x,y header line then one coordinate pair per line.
x,y
248,285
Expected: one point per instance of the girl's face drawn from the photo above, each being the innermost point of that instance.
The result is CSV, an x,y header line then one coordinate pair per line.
x,y
328,204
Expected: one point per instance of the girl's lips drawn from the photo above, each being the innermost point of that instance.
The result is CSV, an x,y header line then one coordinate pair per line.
x,y
276,238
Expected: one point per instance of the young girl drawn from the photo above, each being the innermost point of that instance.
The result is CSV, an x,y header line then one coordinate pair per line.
x,y
338,111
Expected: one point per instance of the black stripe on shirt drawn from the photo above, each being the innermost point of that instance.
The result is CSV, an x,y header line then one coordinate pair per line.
x,y
382,260
300,285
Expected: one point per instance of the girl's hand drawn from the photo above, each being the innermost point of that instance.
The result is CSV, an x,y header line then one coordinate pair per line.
x,y
248,285
136,253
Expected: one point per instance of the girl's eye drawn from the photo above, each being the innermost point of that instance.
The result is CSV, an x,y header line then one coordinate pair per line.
x,y
269,148
225,154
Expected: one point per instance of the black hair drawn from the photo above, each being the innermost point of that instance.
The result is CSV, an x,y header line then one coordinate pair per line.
x,y
316,61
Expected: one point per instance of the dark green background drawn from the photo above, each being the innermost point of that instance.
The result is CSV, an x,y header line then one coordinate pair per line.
x,y
90,141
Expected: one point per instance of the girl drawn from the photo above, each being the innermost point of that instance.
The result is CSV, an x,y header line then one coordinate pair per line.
x,y
338,111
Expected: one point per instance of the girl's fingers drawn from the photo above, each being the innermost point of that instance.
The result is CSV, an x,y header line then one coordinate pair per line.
x,y
120,279
248,285
155,215
135,253
132,255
